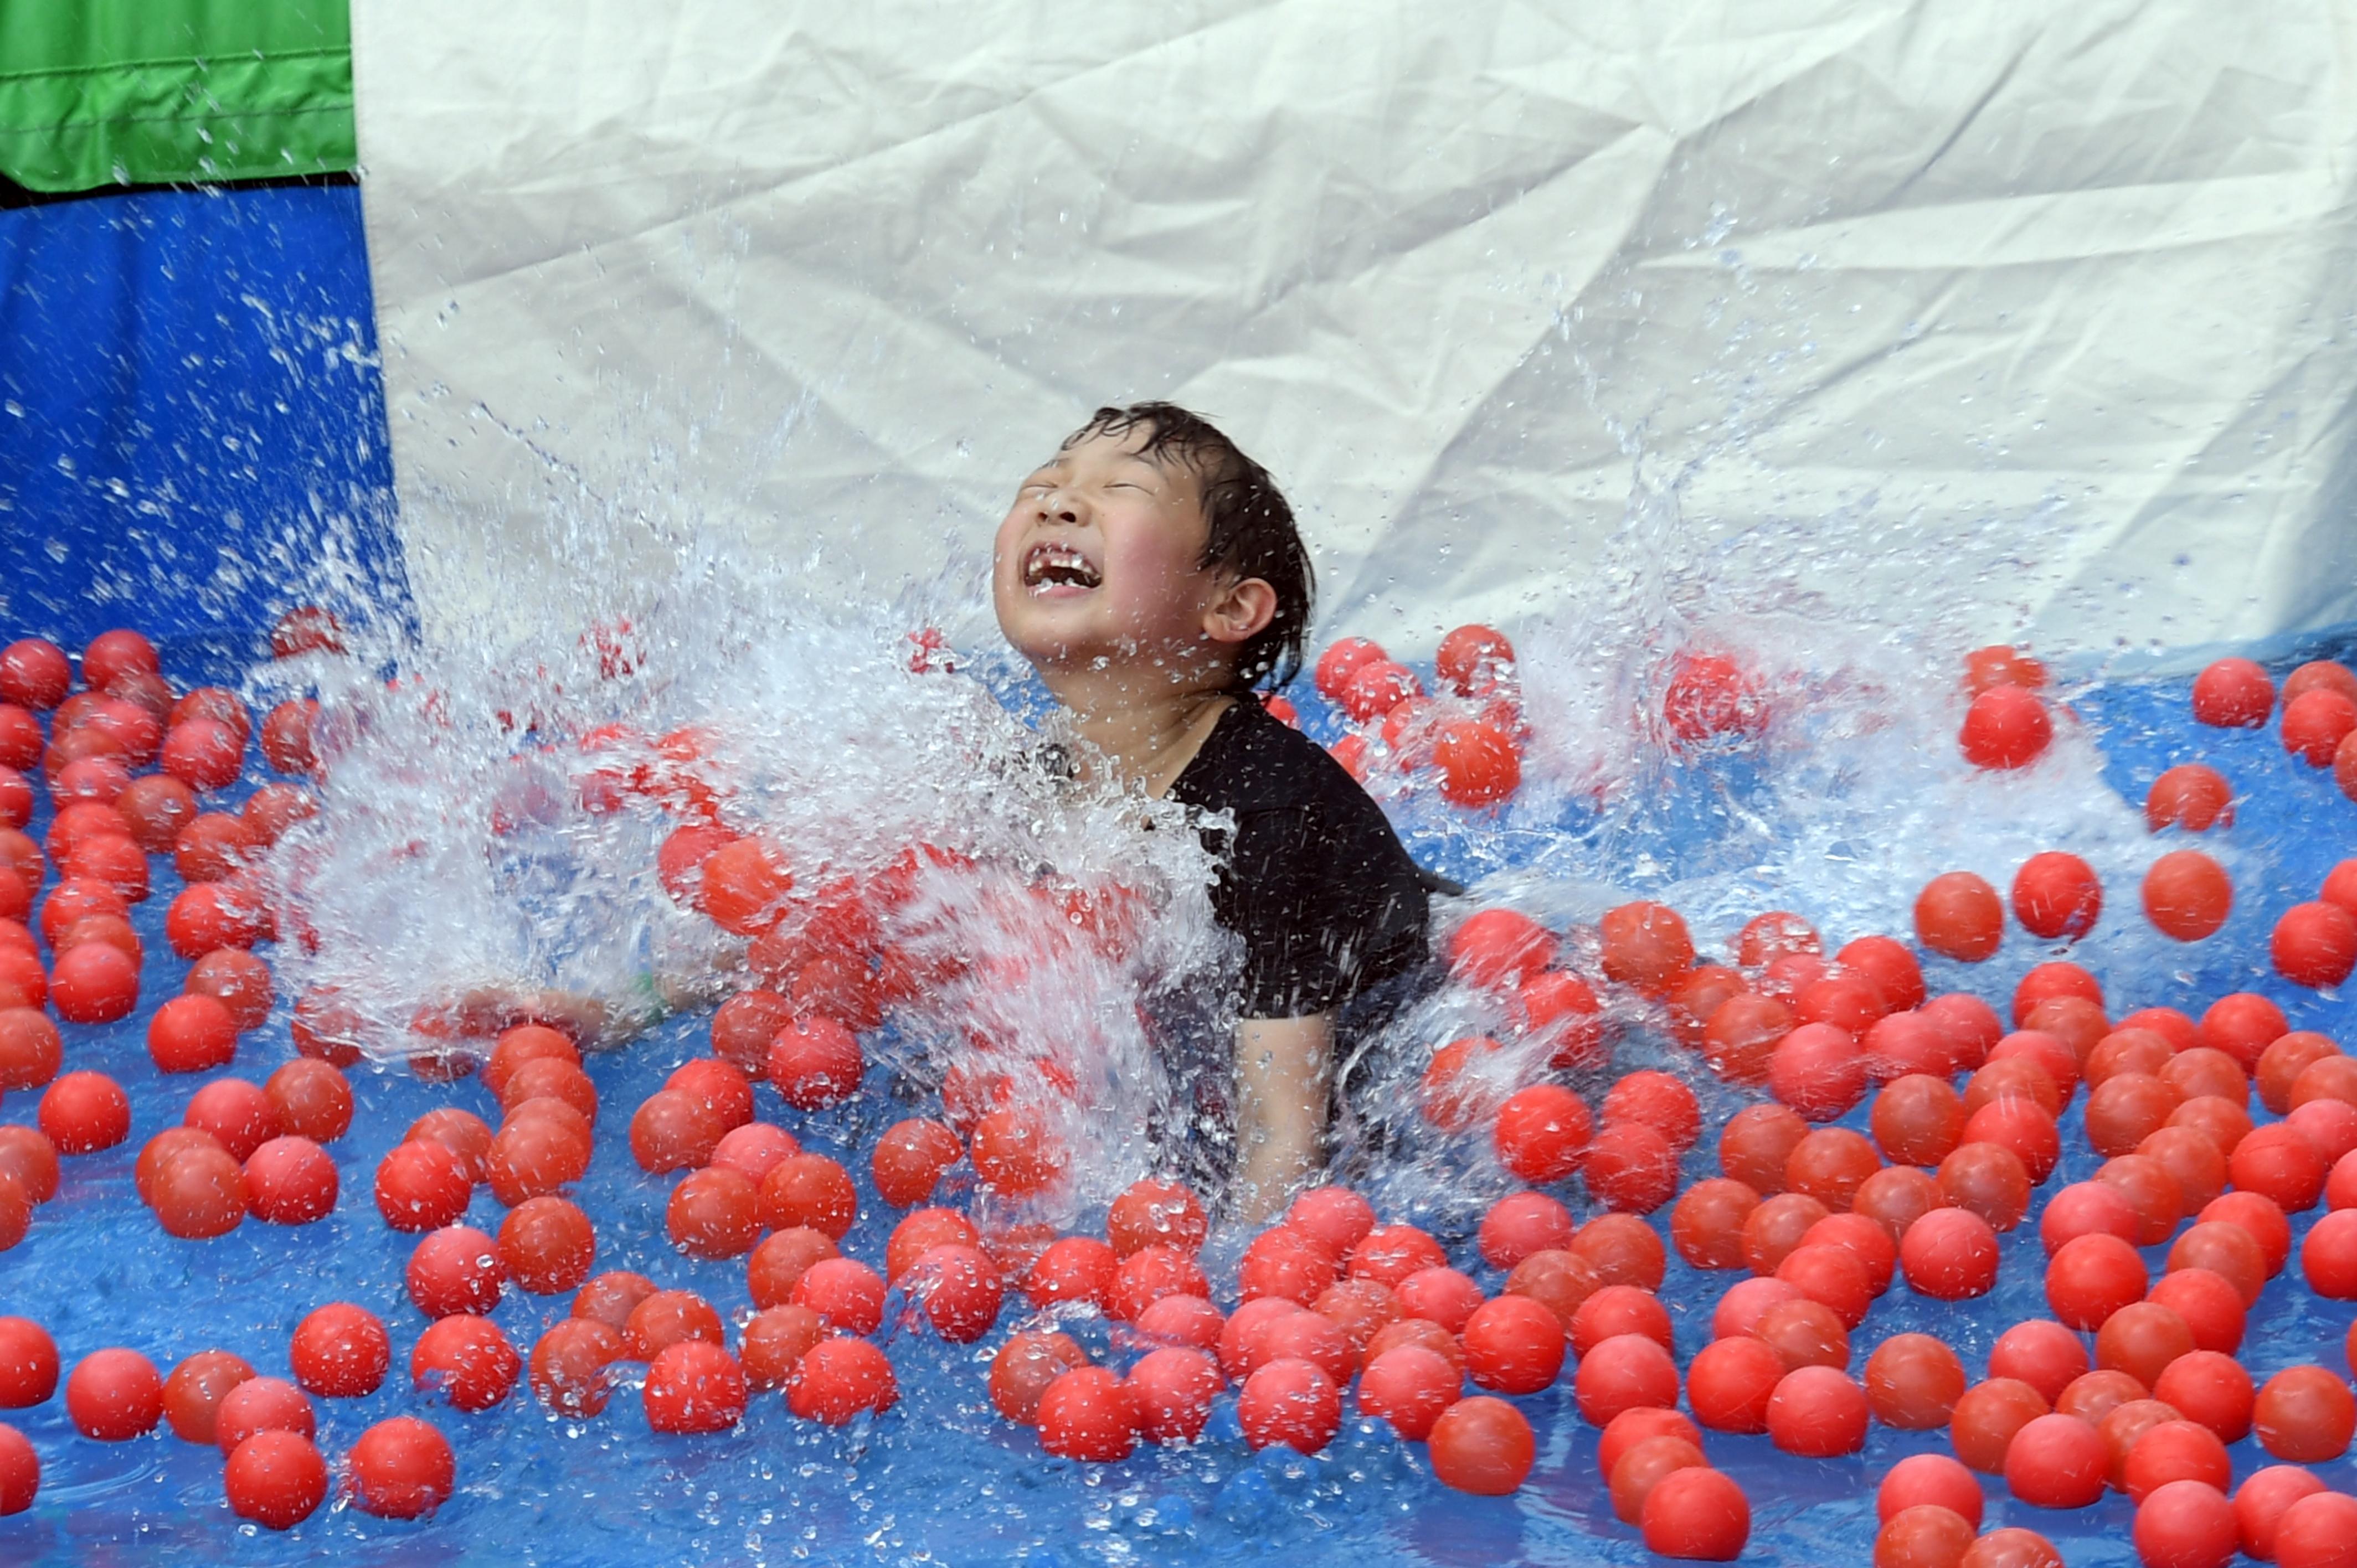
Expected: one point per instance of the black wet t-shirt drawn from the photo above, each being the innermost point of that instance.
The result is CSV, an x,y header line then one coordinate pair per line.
x,y
1327,902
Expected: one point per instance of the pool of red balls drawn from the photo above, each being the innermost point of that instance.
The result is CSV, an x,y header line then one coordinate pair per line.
x,y
1883,1139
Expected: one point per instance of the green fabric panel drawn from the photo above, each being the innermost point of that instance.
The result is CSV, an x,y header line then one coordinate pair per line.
x,y
98,92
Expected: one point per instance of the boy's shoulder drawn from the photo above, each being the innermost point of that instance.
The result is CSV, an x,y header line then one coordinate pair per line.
x,y
1253,762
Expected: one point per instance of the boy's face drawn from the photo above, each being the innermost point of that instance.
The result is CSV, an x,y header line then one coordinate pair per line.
x,y
1097,561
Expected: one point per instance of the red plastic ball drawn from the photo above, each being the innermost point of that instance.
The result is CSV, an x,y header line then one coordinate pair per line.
x,y
2262,1501
455,1269
2314,723
1288,1401
287,740
111,654
275,1479
94,983
340,1352
745,883
2057,895
402,1468
238,981
2318,1531
1513,1345
671,1131
2057,1461
2315,944
2174,1451
35,674
204,753
28,1363
2093,1276
1342,660
919,1233
466,1360
421,1186
1950,1254
311,1099
1089,1414
1015,1153
758,1148
1914,1381
809,1190
290,1181
2187,896
2193,796
20,1472
194,1391
1497,948
21,737
1541,1133
1479,763
1644,944
909,1159
848,1295
715,1213
571,1367
1471,658
1625,1372
1657,1100
1730,1382
2041,1353
1027,1365
1335,1216
1710,695
1698,1514
1630,1169
2005,727
1171,1391
31,1049
1988,1417
1818,1070
694,1388
2211,1307
261,1405
2211,1389
2233,694
114,1395
1817,1413
1930,1480
2185,1524
82,1112
1481,1446
959,1287
191,1033
2000,665
2046,982
2304,1414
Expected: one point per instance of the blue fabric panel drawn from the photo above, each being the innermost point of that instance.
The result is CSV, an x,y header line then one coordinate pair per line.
x,y
192,427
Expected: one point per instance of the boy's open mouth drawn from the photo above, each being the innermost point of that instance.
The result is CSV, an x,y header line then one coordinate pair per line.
x,y
1049,566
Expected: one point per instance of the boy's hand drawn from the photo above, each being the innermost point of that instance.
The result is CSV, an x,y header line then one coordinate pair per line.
x,y
589,1021
1282,1068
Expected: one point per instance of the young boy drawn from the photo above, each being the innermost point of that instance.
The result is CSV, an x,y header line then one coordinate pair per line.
x,y
1152,576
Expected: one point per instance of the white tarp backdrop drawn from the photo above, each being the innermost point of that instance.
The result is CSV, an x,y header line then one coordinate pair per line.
x,y
2064,291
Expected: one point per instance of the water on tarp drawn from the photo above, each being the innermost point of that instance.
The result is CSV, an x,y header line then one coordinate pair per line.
x,y
469,836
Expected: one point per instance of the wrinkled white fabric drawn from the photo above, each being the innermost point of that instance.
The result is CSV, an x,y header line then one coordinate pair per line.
x,y
2058,300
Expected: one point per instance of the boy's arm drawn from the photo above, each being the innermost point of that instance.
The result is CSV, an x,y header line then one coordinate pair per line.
x,y
596,1023
1282,1066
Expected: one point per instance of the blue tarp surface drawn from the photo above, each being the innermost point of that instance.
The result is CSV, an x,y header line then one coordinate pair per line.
x,y
192,427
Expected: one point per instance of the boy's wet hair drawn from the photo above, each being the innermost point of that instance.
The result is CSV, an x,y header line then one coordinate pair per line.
x,y
1252,531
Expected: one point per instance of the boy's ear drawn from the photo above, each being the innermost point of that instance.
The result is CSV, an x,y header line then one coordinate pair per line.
x,y
1240,611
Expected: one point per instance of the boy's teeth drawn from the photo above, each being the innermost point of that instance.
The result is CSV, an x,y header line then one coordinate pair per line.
x,y
1054,564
